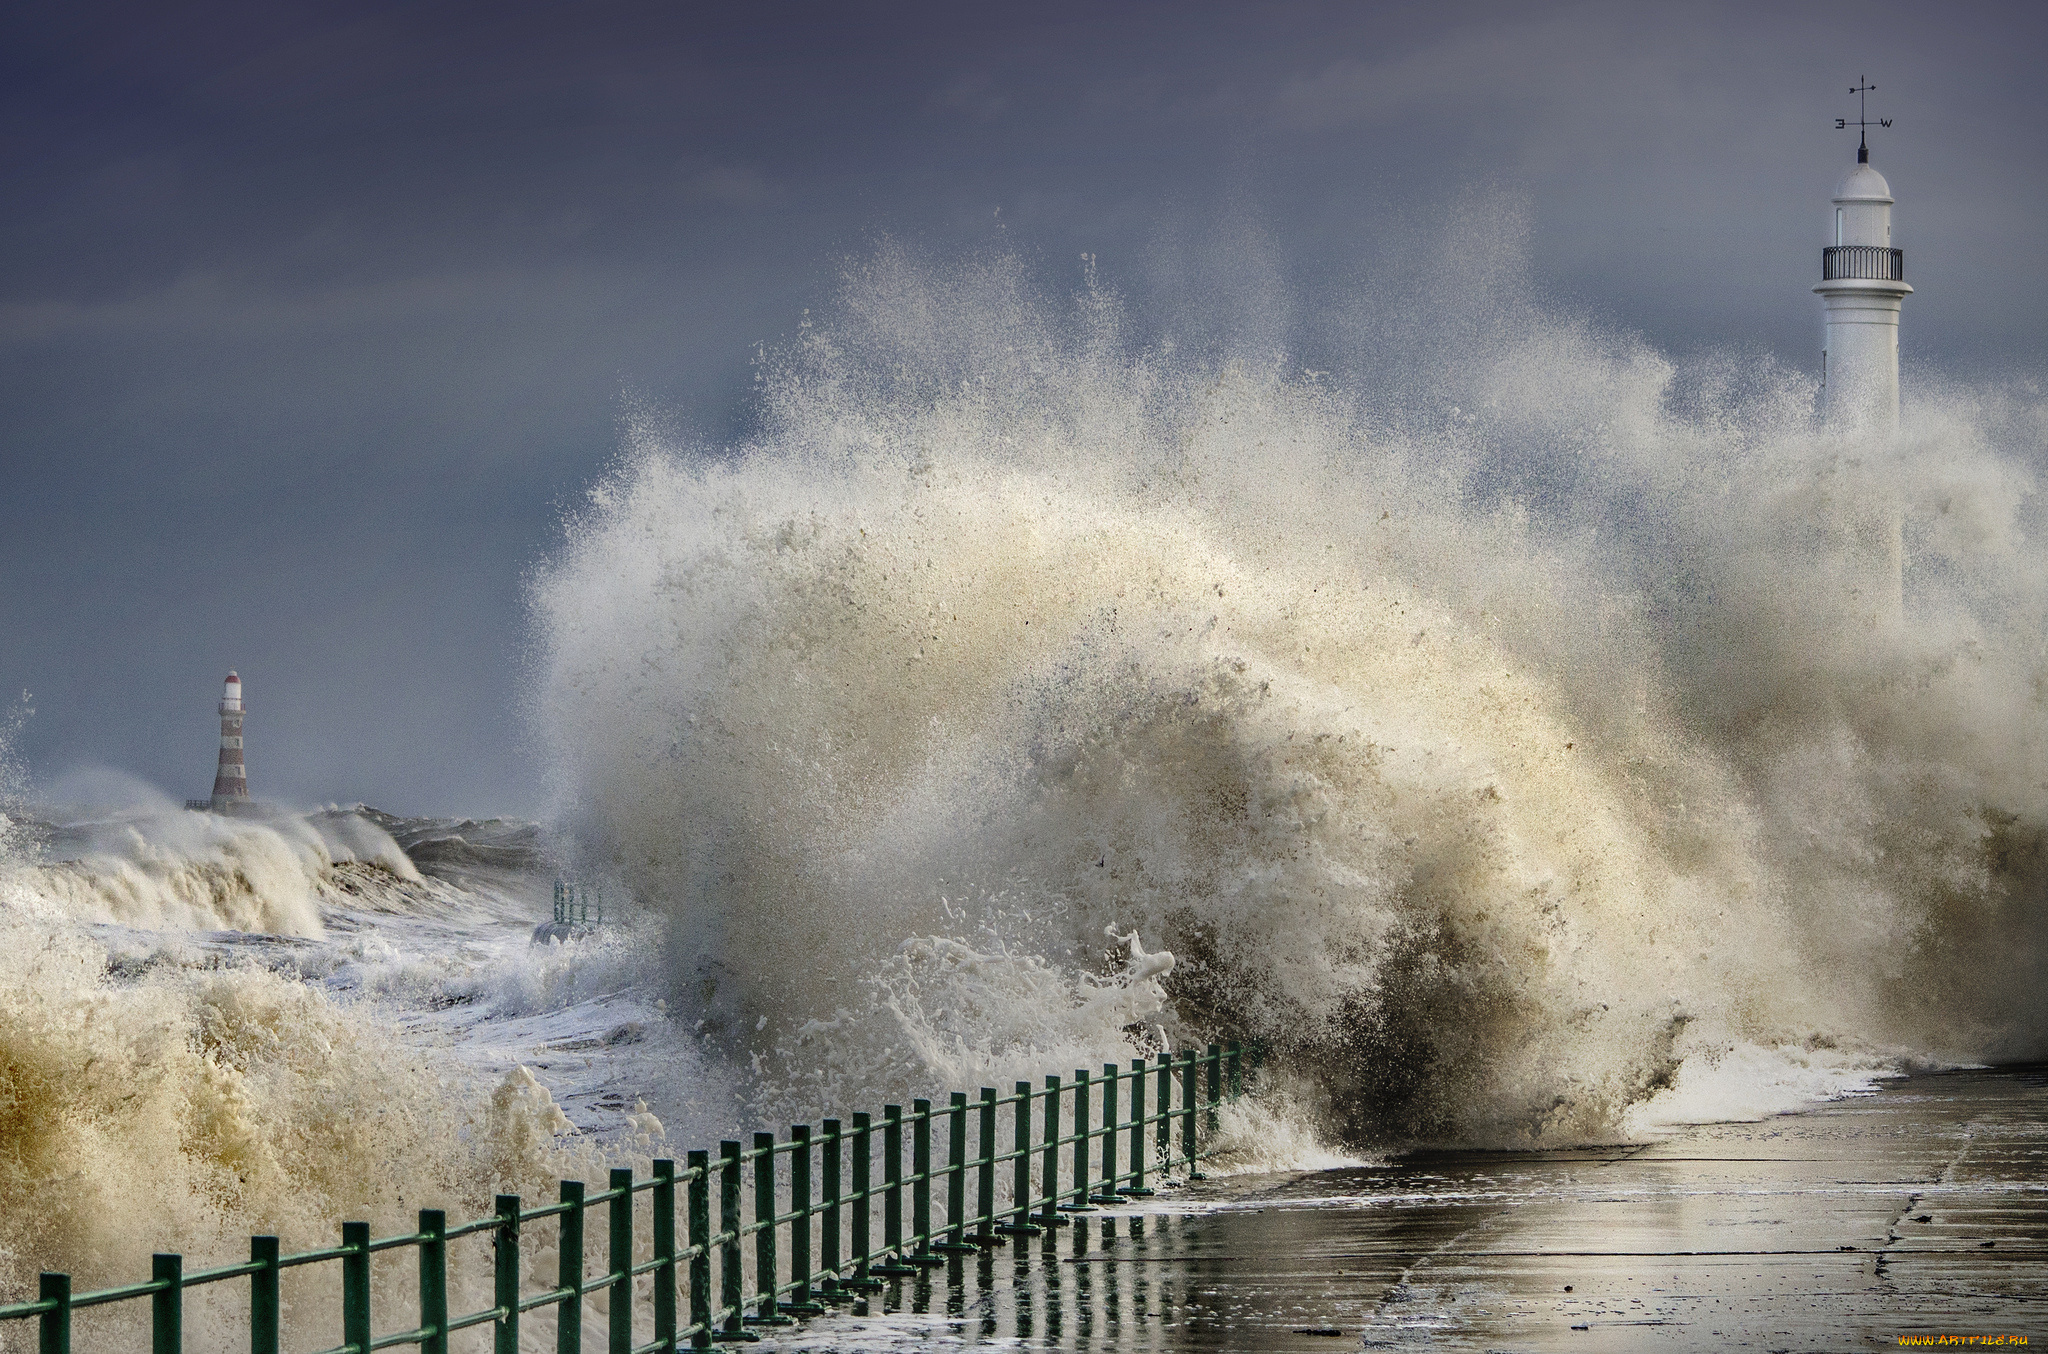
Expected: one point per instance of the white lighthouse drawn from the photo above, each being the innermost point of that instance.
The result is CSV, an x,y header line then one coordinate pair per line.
x,y
1863,284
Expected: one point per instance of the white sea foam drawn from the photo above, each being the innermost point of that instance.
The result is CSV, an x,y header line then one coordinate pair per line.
x,y
1739,1082
1492,732
175,1089
151,865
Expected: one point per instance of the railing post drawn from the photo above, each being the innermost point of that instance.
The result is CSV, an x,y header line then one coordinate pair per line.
x,y
54,1326
1023,1145
1188,1096
800,1224
1137,1129
729,1292
892,1181
1236,1070
1050,1167
956,1169
1020,1187
505,1276
863,1181
921,1178
800,1209
619,1262
355,1286
698,1234
828,1189
764,1235
1215,1061
985,1172
1108,1195
433,1260
1084,1138
1164,1144
663,1201
167,1307
569,1273
264,1304
956,1242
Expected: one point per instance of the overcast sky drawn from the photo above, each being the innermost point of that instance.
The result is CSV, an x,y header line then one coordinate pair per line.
x,y
313,318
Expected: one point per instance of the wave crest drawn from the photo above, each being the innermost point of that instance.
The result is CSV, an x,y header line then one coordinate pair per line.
x,y
1492,743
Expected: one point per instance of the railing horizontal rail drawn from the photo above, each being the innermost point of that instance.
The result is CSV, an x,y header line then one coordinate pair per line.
x,y
815,1200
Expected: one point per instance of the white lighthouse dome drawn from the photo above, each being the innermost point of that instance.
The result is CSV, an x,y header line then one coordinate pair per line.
x,y
1863,184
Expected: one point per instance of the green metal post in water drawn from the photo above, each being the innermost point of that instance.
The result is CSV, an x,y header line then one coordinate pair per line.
x,y
433,1258
729,1292
1164,1153
863,1248
355,1285
1108,1194
956,1172
800,1208
505,1276
619,1262
892,1181
921,1177
55,1324
698,1235
167,1305
1215,1084
955,1242
800,1223
1188,1096
828,1185
764,1235
985,1174
569,1272
921,1185
664,1204
1051,1167
1020,1186
1023,1149
264,1304
1137,1129
1084,1137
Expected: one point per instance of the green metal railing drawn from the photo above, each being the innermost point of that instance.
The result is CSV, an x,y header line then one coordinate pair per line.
x,y
573,907
1109,1159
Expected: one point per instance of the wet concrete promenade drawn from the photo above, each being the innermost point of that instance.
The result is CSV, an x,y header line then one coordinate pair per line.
x,y
1921,1210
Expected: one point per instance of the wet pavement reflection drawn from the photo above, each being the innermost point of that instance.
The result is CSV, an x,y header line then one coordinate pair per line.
x,y
1921,1209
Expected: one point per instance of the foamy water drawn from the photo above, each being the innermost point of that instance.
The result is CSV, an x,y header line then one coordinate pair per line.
x,y
211,1027
1510,734
1510,744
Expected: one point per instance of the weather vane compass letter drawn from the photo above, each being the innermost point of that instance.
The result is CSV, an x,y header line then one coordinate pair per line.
x,y
1862,89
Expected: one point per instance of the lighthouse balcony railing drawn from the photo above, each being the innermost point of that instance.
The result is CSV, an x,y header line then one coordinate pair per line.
x,y
1862,262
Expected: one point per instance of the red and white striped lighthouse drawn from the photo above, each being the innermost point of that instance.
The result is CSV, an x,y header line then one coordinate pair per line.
x,y
231,782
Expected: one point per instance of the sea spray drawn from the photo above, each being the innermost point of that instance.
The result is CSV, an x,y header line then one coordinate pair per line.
x,y
186,1108
167,1085
1491,745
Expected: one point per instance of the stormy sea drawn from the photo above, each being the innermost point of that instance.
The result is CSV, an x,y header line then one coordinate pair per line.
x,y
1514,735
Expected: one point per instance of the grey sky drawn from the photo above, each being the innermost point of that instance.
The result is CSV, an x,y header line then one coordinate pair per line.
x,y
313,318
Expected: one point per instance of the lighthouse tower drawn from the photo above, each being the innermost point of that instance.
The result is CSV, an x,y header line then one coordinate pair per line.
x,y
1863,284
231,781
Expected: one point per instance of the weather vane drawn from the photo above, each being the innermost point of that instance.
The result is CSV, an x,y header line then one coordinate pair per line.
x,y
1861,89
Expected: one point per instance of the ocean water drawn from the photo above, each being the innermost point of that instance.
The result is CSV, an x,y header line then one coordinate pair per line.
x,y
1515,732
